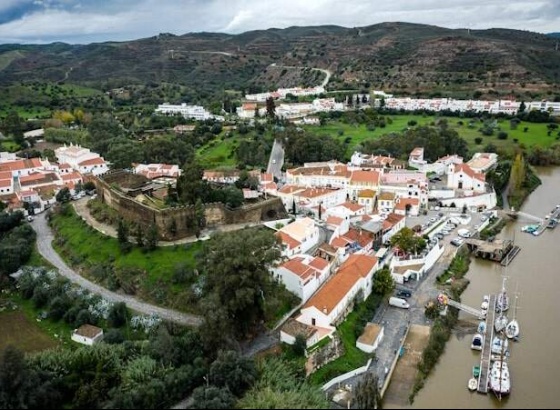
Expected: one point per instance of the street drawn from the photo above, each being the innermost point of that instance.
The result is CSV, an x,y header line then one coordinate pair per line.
x,y
276,160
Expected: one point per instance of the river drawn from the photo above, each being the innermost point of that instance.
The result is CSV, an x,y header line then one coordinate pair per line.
x,y
534,362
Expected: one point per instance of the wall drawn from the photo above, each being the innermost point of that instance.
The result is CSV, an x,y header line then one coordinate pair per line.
x,y
489,200
184,217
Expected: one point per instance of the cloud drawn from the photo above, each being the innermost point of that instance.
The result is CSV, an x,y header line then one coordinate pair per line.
x,y
81,21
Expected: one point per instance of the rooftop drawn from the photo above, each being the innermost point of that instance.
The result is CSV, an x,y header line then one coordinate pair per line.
x,y
370,334
89,331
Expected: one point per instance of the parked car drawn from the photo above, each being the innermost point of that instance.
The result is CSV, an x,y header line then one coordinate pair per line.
x,y
457,241
398,302
483,219
433,219
30,218
403,293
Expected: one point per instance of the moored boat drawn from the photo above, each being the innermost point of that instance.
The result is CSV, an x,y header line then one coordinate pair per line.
x,y
476,371
477,342
499,345
472,384
482,327
502,301
500,323
499,381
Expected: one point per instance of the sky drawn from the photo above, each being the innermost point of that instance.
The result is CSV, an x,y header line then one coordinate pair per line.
x,y
88,21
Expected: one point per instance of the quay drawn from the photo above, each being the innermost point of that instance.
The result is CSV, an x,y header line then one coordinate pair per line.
x,y
496,250
486,353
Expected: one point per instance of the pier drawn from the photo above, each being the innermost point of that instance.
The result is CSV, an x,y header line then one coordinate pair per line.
x,y
487,347
496,250
511,254
548,222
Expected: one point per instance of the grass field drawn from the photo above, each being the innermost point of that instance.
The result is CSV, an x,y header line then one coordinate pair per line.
x,y
536,134
23,332
218,153
87,247
9,146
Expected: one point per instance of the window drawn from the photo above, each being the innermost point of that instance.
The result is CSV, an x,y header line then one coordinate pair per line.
x,y
313,321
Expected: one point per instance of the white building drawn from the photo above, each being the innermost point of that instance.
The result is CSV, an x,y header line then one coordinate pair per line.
x,y
331,303
152,171
187,111
303,274
6,183
87,335
299,236
463,177
416,158
482,162
370,338
81,159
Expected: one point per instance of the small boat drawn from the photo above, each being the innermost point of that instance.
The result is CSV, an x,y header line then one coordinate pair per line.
x,y
502,301
477,342
482,327
500,382
499,345
500,323
512,328
476,371
529,228
472,384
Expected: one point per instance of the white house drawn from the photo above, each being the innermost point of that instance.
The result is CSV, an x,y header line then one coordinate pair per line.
x,y
414,266
303,274
366,198
407,206
391,225
330,175
332,302
370,338
386,201
416,158
299,236
87,335
81,159
152,171
188,111
6,183
311,197
482,162
360,180
23,167
463,177
347,210
312,334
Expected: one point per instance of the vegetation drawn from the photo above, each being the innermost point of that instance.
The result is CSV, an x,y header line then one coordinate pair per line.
x,y
16,242
349,331
367,394
523,181
407,241
282,386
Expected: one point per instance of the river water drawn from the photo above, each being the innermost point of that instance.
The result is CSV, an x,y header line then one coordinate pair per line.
x,y
535,361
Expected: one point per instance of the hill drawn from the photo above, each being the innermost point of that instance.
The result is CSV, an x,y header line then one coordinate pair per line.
x,y
397,57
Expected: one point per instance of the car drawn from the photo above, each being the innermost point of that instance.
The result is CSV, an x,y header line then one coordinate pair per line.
x,y
30,218
274,161
483,219
433,219
476,226
403,293
457,241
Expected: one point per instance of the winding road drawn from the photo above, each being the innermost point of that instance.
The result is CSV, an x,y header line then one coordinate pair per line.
x,y
44,246
328,74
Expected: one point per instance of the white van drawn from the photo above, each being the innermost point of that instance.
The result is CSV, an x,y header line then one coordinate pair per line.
x,y
398,302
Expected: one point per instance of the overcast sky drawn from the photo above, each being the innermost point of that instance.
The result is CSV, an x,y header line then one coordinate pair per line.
x,y
86,21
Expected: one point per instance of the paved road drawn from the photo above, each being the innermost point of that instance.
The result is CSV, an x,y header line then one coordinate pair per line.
x,y
44,245
328,74
276,160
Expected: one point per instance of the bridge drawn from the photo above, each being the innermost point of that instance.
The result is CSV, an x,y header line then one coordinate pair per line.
x,y
465,308
518,214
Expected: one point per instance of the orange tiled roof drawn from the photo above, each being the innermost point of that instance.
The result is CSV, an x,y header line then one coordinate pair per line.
x,y
5,183
355,236
403,202
297,266
21,164
469,171
5,175
334,291
387,196
352,206
334,220
93,161
319,263
286,239
366,193
371,177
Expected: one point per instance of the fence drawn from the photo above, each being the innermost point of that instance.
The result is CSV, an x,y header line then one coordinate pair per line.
x,y
346,376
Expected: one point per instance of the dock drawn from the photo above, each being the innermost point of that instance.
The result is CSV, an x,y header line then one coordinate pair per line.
x,y
549,222
487,347
495,250
511,254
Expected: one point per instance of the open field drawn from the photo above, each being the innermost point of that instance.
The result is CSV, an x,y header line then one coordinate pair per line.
x,y
536,134
17,329
218,152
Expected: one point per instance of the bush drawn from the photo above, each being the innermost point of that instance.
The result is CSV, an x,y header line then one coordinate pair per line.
x,y
113,337
502,135
478,140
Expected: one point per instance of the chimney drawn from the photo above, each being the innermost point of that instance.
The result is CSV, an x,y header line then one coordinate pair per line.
x,y
325,310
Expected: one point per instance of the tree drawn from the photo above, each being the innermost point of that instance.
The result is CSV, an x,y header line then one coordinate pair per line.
x,y
293,207
89,186
300,345
383,282
151,238
122,236
199,216
63,196
13,377
190,185
240,261
211,397
522,107
139,235
518,173
367,394
407,241
270,108
13,126
478,140
233,371
117,315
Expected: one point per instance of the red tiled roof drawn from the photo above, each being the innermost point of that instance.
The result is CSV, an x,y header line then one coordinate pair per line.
x,y
403,202
334,220
315,192
290,189
21,164
287,240
5,175
5,183
299,268
93,161
64,166
334,291
319,263
71,176
355,236
352,206
469,171
371,177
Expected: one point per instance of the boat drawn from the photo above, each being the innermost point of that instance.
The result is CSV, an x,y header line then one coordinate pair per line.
x,y
529,228
485,301
512,328
552,223
502,301
500,323
477,342
499,381
476,371
499,345
472,384
482,327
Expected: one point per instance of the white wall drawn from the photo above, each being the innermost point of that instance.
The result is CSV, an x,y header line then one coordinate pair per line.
x,y
489,200
371,348
310,313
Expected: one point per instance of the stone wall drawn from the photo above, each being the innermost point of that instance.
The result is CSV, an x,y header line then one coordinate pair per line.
x,y
183,218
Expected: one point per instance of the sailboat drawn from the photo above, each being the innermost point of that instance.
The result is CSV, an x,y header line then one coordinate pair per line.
x,y
499,381
500,322
502,302
512,328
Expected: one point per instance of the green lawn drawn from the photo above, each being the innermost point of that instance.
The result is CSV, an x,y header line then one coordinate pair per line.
x,y
9,146
218,152
86,247
352,358
20,328
535,135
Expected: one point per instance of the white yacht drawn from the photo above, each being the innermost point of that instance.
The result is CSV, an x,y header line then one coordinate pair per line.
x,y
477,342
499,381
